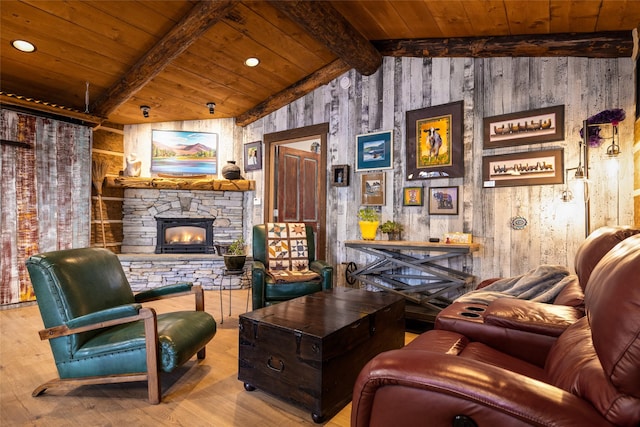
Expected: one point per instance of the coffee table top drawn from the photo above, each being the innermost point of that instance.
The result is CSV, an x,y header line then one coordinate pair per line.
x,y
322,313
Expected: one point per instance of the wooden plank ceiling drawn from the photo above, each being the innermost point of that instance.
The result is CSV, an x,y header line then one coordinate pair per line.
x,y
176,56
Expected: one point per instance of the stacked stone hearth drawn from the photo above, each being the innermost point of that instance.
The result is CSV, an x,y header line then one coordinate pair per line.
x,y
147,270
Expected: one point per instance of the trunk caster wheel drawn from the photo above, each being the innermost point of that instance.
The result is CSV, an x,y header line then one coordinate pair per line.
x,y
249,387
318,419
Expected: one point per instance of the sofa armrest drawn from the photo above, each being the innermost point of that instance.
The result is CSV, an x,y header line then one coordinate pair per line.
x,y
571,295
406,387
530,316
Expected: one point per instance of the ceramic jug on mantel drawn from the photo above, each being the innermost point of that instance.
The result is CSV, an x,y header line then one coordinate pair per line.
x,y
231,171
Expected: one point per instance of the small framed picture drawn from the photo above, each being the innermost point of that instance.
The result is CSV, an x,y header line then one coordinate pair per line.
x,y
374,151
340,175
373,189
413,196
253,156
443,201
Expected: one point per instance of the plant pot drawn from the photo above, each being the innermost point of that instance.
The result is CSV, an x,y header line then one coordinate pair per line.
x,y
234,262
396,235
369,229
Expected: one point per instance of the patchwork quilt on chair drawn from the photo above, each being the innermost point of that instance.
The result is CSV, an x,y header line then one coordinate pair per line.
x,y
288,253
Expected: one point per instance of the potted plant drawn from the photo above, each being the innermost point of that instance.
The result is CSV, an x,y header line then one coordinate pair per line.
x,y
369,221
235,256
392,229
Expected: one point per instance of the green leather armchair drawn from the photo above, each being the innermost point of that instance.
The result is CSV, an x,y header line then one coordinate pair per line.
x,y
265,291
99,331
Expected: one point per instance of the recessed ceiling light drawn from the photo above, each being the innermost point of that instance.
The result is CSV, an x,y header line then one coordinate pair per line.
x,y
23,46
251,62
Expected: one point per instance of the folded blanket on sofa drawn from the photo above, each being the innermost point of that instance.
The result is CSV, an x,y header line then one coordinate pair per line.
x,y
542,284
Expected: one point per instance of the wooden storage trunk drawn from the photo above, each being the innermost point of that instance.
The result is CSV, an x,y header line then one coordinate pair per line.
x,y
309,351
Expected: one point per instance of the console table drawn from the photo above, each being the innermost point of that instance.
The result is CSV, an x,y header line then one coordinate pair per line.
x,y
414,270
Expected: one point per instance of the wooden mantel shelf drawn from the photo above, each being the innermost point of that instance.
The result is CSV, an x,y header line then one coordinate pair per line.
x,y
181,184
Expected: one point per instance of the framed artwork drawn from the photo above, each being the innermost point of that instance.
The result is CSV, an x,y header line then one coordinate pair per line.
x,y
434,142
443,201
372,189
412,196
253,156
178,152
527,127
340,175
374,151
526,168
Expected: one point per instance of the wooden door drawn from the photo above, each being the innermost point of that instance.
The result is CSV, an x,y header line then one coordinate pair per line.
x,y
297,186
297,180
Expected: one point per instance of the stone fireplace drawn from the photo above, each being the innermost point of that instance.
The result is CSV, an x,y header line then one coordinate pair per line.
x,y
149,213
143,208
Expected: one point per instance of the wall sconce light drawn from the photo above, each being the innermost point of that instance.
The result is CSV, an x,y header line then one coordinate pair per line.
x,y
145,111
613,150
212,107
578,185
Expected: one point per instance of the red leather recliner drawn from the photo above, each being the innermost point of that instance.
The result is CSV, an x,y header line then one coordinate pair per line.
x,y
591,374
526,328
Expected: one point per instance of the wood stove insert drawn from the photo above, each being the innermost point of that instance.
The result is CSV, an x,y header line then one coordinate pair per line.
x,y
185,236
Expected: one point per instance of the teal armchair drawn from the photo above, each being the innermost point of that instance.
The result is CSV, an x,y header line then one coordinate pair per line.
x,y
99,331
266,291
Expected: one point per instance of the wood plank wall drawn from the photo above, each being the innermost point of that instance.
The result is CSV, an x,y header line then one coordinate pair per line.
x,y
487,87
108,146
44,194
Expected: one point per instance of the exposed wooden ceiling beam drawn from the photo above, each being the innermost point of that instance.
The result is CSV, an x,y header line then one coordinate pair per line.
x,y
199,19
293,92
48,108
323,22
615,44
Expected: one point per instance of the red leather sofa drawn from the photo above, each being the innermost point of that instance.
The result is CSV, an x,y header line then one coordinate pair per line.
x,y
526,328
590,376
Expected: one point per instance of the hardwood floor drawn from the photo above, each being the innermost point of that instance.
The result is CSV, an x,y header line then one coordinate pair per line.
x,y
205,393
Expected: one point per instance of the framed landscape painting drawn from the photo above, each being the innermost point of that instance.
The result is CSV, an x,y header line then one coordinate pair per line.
x,y
372,189
374,151
178,152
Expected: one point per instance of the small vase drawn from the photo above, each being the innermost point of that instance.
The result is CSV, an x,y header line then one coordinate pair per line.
x,y
231,170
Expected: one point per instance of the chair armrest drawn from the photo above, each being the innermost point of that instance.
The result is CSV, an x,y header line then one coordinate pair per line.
x,y
258,274
98,320
530,316
325,270
172,290
447,385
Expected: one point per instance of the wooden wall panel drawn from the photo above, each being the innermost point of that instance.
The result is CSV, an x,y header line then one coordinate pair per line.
x,y
108,146
488,87
45,194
